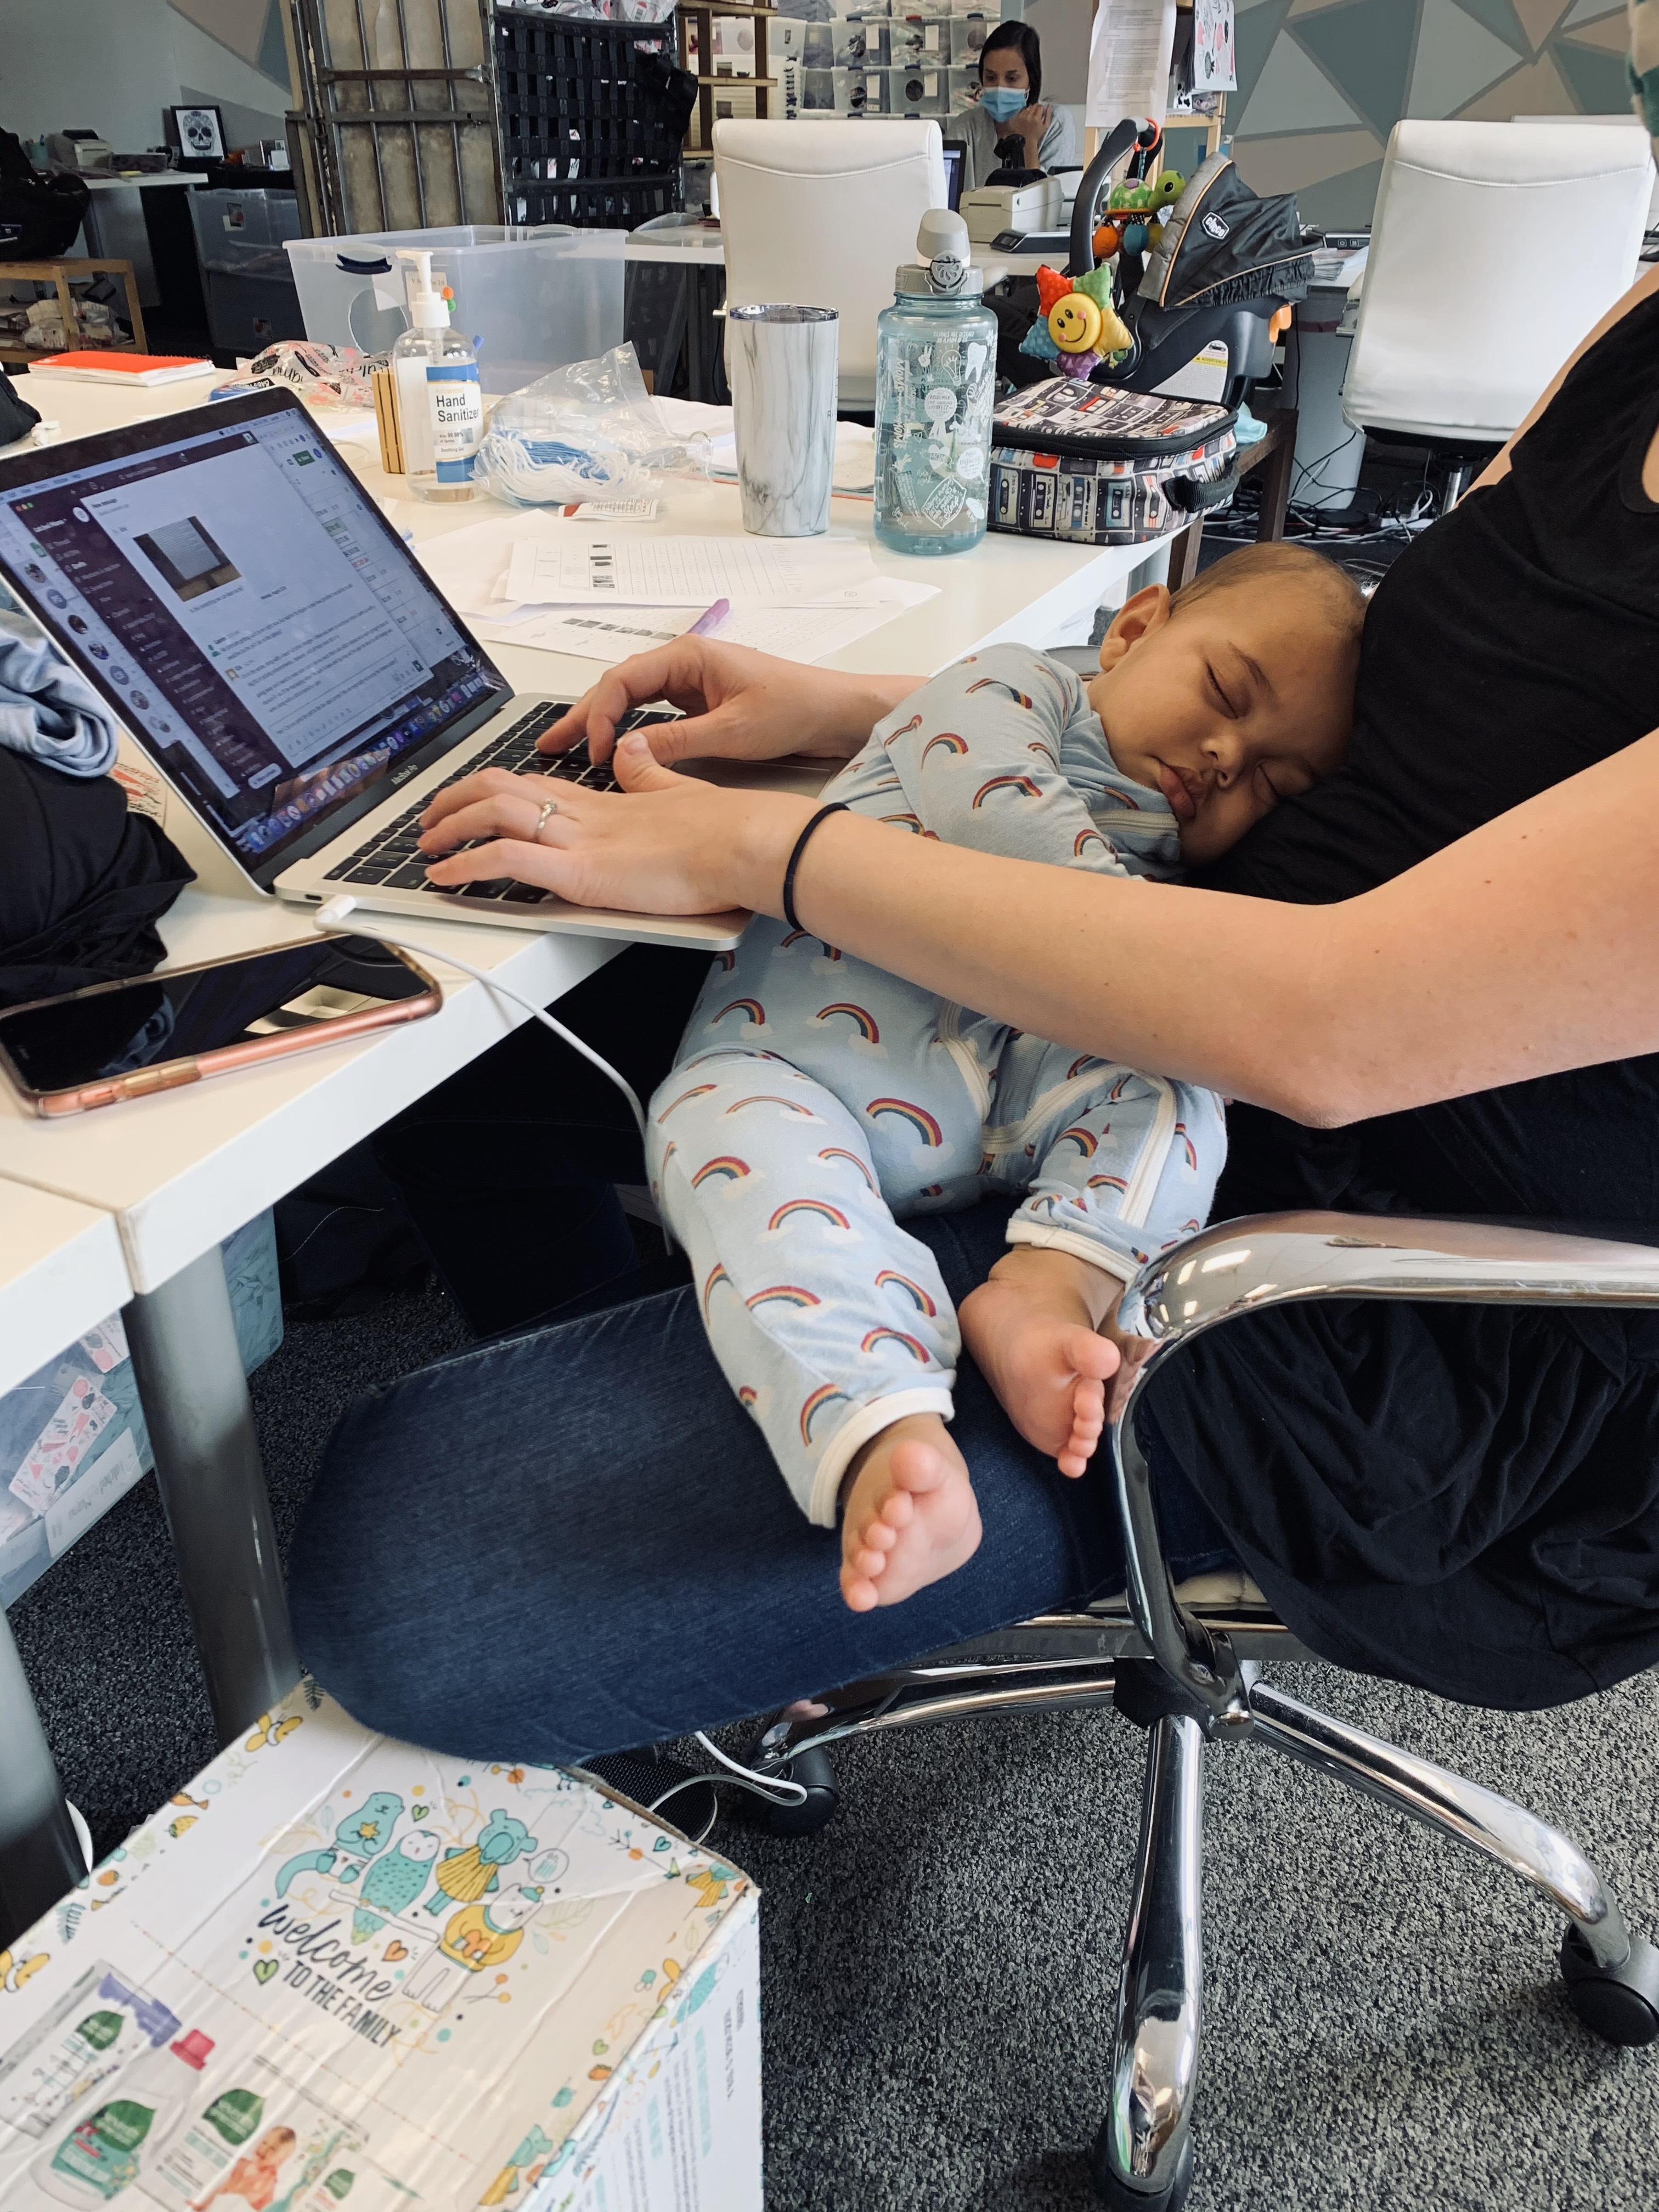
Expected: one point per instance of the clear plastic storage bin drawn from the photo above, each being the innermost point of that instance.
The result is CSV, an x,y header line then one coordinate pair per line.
x,y
846,44
968,34
246,281
840,92
49,1498
922,90
529,301
920,41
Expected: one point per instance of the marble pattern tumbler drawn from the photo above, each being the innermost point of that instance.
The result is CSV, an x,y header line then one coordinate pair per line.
x,y
782,365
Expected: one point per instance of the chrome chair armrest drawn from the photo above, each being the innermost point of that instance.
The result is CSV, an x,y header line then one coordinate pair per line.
x,y
1268,1260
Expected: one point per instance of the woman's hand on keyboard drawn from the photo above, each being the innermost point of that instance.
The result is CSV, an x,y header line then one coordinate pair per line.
x,y
665,844
738,705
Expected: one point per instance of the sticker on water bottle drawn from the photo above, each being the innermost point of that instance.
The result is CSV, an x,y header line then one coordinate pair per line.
x,y
457,407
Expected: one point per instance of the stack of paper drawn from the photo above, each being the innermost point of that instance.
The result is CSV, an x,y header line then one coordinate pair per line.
x,y
533,580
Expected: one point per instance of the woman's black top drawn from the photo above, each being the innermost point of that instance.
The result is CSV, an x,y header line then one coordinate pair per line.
x,y
1464,1498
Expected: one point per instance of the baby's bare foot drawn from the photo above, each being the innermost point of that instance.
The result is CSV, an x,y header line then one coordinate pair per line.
x,y
1031,1327
909,1517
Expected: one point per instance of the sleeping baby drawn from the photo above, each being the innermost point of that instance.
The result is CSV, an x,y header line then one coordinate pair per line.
x,y
818,1102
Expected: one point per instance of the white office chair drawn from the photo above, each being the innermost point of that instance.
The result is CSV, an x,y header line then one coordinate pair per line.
x,y
819,215
1495,246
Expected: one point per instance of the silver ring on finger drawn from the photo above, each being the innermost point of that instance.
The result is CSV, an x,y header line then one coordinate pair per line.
x,y
550,806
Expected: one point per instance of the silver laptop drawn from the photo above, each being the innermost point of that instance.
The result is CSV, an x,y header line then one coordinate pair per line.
x,y
271,643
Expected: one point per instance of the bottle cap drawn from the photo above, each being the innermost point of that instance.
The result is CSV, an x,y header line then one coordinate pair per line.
x,y
195,2049
942,269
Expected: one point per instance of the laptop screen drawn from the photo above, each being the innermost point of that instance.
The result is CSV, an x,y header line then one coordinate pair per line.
x,y
955,157
234,592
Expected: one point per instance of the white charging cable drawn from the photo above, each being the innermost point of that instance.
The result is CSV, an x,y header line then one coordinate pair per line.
x,y
772,1787
338,918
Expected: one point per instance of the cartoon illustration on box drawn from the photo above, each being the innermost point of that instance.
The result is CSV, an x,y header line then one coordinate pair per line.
x,y
468,1874
360,1836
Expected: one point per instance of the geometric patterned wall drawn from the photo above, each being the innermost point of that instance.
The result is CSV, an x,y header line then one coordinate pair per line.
x,y
252,29
1322,83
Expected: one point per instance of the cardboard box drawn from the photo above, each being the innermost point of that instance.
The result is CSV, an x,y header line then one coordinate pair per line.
x,y
338,1974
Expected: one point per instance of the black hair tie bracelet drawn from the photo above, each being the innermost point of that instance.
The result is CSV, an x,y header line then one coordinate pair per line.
x,y
836,807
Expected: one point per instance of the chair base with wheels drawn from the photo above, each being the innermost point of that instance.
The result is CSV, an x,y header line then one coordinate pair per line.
x,y
1185,1666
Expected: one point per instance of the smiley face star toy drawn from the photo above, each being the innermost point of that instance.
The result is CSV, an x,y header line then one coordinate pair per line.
x,y
1074,323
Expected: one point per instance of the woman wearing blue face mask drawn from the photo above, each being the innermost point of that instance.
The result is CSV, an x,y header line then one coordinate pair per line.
x,y
1010,127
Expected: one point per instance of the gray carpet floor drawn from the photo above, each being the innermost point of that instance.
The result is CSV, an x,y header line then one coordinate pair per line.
x,y
1383,2025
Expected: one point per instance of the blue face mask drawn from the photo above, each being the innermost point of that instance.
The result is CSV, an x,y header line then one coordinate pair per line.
x,y
1002,102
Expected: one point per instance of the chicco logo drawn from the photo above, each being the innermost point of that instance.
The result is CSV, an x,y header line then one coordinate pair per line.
x,y
1216,227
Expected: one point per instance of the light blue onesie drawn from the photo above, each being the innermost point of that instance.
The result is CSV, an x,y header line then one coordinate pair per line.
x,y
817,1101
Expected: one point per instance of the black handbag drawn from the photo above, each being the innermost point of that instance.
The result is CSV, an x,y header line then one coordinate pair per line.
x,y
17,419
39,215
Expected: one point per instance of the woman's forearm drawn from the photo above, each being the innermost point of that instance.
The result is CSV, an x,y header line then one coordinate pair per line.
x,y
1529,947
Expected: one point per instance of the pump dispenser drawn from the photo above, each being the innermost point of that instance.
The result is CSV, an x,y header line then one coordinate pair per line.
x,y
439,404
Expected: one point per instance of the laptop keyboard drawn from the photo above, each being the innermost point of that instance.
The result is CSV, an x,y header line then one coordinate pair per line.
x,y
392,856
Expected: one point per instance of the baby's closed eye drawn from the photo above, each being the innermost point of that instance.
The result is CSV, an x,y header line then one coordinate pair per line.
x,y
1279,779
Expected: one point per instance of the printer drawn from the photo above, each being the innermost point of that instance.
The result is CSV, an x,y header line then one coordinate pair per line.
x,y
991,210
79,150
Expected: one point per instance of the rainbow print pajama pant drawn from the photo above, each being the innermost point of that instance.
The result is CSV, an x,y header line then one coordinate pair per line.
x,y
817,1101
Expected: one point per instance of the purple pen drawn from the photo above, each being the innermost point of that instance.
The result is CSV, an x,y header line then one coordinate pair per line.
x,y
710,622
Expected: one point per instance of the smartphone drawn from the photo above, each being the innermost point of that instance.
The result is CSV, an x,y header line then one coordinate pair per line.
x,y
124,1040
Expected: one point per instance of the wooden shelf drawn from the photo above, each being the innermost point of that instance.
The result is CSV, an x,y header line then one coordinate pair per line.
x,y
60,273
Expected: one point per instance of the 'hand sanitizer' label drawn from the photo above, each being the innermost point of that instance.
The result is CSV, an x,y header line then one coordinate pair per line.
x,y
456,405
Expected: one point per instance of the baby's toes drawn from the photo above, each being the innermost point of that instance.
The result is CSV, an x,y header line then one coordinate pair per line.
x,y
1088,1421
898,1510
857,1591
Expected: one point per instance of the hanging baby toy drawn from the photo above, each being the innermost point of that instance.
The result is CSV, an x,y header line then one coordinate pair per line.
x,y
1078,323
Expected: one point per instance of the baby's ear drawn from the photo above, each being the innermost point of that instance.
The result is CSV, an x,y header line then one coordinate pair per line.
x,y
1138,618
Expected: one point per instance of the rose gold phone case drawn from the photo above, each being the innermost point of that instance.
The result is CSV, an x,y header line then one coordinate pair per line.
x,y
171,1074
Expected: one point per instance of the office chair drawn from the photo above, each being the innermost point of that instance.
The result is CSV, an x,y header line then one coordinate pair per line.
x,y
1186,1666
1495,248
819,215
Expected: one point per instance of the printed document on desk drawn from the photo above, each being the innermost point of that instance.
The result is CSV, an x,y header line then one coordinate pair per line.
x,y
593,632
683,572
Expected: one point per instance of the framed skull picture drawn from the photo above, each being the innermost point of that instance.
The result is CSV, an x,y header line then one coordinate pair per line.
x,y
197,132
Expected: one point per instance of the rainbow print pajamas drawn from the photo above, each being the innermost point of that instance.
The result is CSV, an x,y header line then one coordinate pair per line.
x,y
819,1101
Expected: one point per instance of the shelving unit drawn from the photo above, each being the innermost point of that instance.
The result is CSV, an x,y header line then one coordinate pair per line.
x,y
62,274
697,23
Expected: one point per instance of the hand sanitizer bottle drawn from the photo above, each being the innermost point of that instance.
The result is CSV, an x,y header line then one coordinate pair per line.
x,y
439,405
111,2149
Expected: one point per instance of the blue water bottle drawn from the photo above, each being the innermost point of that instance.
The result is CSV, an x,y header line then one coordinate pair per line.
x,y
936,364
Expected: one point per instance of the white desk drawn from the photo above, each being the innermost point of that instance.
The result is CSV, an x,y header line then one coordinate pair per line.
x,y
61,1272
176,1173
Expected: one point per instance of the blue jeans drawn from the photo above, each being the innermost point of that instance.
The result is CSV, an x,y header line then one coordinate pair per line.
x,y
575,1541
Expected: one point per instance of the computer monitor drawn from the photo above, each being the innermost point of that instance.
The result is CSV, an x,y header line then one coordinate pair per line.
x,y
956,162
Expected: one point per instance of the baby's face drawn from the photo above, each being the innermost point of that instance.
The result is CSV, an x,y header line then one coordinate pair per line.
x,y
1226,707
